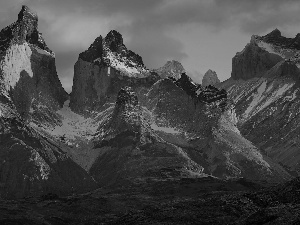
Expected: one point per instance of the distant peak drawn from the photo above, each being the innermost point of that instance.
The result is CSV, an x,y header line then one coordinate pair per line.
x,y
114,33
275,33
26,13
173,62
210,78
210,71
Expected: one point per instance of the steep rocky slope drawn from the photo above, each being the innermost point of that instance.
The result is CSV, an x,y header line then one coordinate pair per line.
x,y
267,102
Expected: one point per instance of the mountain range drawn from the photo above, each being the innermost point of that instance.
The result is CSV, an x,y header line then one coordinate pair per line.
x,y
126,130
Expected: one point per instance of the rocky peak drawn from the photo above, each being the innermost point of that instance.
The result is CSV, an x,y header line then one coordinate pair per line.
x,y
26,14
28,71
114,40
253,61
210,78
275,38
172,68
94,51
25,29
274,33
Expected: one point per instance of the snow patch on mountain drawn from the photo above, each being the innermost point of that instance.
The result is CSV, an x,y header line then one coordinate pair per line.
x,y
268,47
170,130
256,98
16,60
73,125
264,97
123,64
44,52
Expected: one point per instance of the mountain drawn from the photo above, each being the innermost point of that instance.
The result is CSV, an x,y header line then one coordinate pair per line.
x,y
210,78
266,96
32,164
132,145
122,127
172,68
102,70
28,73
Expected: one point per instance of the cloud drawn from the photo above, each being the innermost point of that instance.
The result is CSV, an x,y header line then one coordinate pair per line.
x,y
197,76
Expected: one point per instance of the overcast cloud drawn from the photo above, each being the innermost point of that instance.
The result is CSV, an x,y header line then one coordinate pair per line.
x,y
202,34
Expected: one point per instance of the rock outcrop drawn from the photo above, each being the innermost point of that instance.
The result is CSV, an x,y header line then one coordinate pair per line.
x,y
253,61
210,78
171,69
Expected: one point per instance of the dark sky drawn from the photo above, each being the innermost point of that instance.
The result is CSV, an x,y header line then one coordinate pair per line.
x,y
201,34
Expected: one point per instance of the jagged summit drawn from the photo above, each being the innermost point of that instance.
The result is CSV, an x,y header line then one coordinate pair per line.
x,y
114,40
28,72
274,33
263,53
27,14
25,29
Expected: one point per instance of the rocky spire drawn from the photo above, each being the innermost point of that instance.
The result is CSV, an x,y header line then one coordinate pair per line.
x,y
114,40
25,29
26,14
210,78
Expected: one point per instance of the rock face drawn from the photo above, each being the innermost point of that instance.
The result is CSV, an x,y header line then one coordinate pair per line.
x,y
263,53
210,78
27,73
102,70
267,106
31,163
253,61
171,69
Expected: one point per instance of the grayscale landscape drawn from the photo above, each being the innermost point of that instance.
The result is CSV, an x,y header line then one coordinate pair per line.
x,y
129,144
